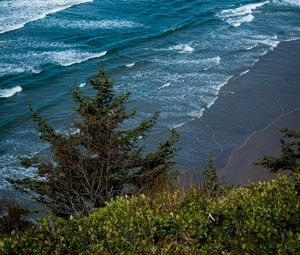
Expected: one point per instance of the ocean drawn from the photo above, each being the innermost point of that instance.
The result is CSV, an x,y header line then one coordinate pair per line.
x,y
174,56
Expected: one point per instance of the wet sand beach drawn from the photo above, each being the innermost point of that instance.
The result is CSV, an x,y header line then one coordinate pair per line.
x,y
267,98
242,125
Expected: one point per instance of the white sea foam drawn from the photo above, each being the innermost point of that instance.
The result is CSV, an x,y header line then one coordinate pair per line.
x,y
13,68
269,42
240,15
212,62
165,85
223,83
16,14
292,39
216,60
288,2
93,24
71,57
251,47
130,65
33,60
201,63
185,122
217,89
81,85
255,61
243,73
5,93
65,57
182,48
195,114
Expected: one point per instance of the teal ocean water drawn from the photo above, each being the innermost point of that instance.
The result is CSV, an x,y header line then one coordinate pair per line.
x,y
174,56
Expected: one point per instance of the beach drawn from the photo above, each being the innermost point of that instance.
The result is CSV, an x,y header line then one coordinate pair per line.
x,y
262,101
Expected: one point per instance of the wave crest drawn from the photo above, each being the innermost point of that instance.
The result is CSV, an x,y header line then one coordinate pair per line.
x,y
182,48
16,14
72,57
13,68
240,15
5,93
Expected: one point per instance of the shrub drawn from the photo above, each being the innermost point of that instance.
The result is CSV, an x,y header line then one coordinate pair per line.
x,y
260,219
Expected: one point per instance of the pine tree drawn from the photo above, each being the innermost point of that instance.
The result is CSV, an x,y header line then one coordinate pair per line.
x,y
289,157
211,184
100,160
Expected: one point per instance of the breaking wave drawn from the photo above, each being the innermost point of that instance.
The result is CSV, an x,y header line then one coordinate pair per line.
x,y
19,13
240,15
5,93
71,57
182,48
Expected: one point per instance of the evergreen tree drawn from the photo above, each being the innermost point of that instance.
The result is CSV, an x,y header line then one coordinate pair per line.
x,y
100,160
210,183
289,157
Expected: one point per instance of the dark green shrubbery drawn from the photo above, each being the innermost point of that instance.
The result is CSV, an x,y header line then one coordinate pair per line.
x,y
261,219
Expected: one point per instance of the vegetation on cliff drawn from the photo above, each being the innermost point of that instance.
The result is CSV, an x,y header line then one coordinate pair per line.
x,y
261,219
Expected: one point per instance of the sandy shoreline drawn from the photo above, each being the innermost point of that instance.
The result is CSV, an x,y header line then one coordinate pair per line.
x,y
276,76
241,126
240,169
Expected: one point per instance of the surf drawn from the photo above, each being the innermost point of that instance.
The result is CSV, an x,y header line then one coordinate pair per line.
x,y
240,15
5,93
16,14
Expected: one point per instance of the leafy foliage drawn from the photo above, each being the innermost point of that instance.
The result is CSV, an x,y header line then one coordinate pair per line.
x,y
289,155
100,160
260,219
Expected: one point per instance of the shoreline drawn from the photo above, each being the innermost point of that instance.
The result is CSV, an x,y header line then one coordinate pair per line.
x,y
247,105
237,167
263,142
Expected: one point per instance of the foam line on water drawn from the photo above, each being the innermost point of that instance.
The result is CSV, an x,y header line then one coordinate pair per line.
x,y
292,39
243,73
288,2
5,93
182,48
202,63
35,60
13,68
72,57
240,15
16,14
165,85
93,24
130,65
218,87
184,123
269,40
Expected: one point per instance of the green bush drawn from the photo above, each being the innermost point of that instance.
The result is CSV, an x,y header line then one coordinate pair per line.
x,y
261,219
